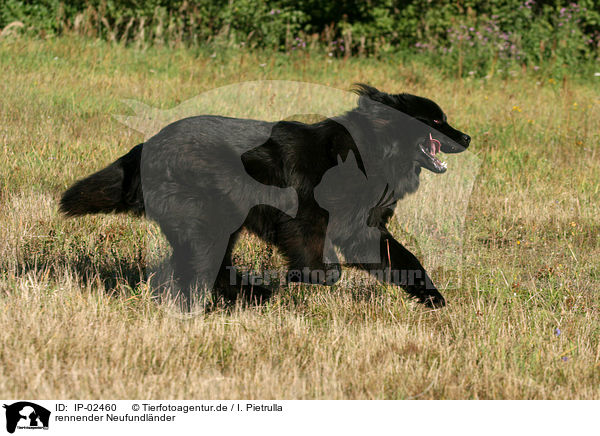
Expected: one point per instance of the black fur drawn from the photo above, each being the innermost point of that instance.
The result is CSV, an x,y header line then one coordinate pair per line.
x,y
192,157
116,188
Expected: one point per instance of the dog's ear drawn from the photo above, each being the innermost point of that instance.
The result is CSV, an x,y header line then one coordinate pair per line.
x,y
367,95
404,101
409,103
371,99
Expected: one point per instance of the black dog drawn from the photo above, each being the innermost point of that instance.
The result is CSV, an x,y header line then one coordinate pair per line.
x,y
205,178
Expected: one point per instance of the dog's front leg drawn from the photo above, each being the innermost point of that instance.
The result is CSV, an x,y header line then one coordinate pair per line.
x,y
405,270
400,267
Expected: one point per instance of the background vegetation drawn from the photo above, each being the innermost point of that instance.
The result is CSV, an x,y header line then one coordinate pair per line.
x,y
76,315
461,37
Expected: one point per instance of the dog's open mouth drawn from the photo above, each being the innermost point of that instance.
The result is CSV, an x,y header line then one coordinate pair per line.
x,y
430,148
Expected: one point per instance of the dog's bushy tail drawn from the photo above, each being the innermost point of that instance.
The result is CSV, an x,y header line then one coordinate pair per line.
x,y
116,188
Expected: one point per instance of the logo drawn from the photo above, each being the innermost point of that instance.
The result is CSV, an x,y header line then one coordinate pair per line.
x,y
26,415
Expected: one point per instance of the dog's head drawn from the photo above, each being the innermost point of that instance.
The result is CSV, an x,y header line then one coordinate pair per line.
x,y
425,131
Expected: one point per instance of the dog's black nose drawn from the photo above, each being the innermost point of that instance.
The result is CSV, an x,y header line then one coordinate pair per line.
x,y
466,139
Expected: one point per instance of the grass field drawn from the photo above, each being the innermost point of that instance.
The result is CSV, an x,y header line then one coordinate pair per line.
x,y
76,315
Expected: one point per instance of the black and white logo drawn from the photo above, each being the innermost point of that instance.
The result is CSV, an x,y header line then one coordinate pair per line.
x,y
26,415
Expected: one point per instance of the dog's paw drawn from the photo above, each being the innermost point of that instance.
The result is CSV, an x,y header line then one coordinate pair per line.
x,y
434,301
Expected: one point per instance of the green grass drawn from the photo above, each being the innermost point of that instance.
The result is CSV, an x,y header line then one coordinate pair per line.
x,y
75,312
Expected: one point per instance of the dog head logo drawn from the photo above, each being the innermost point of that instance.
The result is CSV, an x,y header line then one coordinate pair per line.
x,y
26,415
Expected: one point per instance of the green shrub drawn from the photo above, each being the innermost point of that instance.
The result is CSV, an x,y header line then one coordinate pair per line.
x,y
467,37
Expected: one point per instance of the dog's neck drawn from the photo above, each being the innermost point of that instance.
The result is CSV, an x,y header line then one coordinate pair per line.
x,y
381,153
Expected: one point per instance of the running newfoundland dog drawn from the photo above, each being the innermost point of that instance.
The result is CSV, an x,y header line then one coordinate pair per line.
x,y
312,190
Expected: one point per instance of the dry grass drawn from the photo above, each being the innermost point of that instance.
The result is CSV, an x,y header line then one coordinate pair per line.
x,y
77,322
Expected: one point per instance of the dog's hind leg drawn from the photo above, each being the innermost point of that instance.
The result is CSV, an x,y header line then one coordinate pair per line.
x,y
230,283
198,253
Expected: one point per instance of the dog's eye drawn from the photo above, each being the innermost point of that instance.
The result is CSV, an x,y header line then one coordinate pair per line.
x,y
437,121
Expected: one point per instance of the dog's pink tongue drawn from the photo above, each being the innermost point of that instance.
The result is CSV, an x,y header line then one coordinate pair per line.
x,y
435,144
